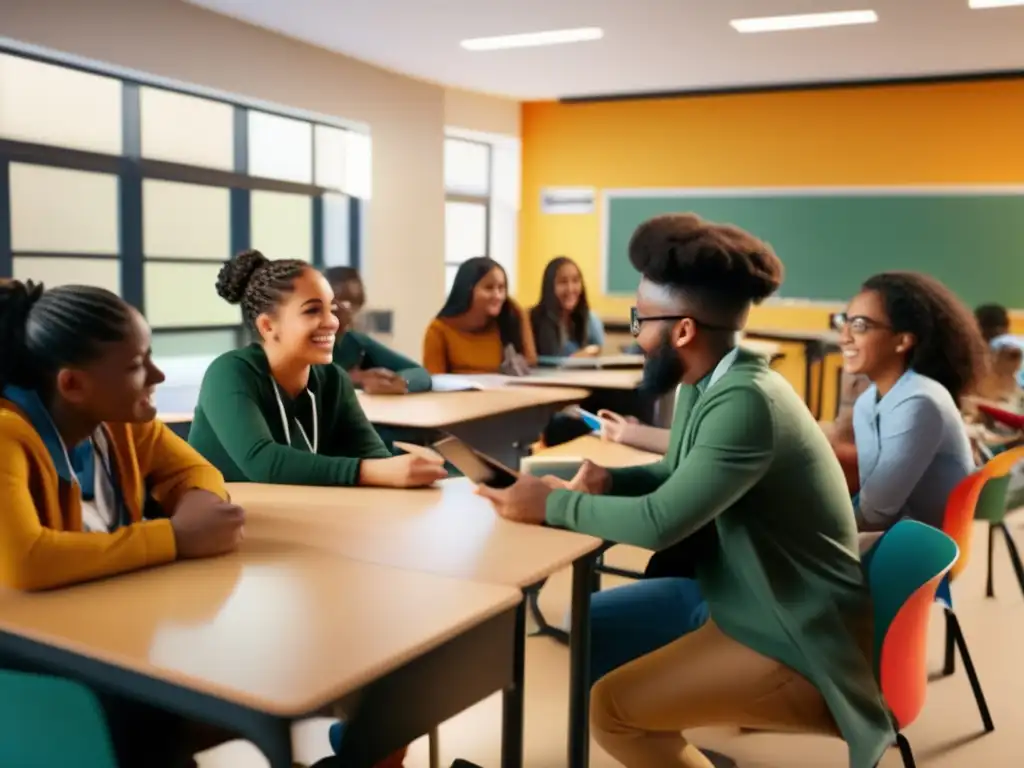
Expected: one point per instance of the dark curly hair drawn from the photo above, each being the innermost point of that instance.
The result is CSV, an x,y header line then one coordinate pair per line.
x,y
949,347
42,331
257,283
718,267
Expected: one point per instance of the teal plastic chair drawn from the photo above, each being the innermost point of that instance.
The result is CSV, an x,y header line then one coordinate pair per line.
x,y
904,569
992,508
48,721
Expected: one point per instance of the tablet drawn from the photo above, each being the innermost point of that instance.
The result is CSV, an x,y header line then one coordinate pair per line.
x,y
481,469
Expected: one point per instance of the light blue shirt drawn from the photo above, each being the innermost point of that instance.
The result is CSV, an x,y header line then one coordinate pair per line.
x,y
595,336
912,450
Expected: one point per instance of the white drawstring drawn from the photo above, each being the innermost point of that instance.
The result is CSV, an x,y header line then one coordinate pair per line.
x,y
284,420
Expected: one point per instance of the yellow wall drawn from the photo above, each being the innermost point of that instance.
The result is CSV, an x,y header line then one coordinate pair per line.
x,y
920,134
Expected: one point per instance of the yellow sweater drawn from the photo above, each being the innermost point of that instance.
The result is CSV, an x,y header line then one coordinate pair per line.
x,y
42,540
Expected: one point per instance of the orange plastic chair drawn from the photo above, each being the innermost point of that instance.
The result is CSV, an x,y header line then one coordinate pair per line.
x,y
904,569
958,524
992,508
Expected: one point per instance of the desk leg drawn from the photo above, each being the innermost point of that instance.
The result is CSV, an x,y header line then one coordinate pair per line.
x,y
579,663
274,740
513,700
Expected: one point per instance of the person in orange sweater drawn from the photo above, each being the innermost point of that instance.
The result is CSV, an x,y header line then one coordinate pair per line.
x,y
80,454
479,329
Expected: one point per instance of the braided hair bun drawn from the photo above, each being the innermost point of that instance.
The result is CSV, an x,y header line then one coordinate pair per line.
x,y
235,275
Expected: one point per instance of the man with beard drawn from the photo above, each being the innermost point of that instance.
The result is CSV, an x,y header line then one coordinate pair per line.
x,y
775,629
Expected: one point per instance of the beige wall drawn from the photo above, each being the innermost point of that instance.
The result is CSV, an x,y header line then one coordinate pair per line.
x,y
172,39
480,112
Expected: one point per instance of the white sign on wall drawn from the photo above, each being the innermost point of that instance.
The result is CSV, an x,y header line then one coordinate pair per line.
x,y
567,200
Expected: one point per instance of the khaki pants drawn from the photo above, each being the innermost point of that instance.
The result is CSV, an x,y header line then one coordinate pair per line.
x,y
639,710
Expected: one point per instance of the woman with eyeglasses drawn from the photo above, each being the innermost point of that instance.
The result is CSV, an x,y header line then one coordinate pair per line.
x,y
922,351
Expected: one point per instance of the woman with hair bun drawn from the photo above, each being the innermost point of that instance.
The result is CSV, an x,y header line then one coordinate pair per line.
x,y
279,410
80,455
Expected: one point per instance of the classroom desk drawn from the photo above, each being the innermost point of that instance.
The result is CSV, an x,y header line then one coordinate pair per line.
x,y
496,421
601,452
277,632
448,531
818,345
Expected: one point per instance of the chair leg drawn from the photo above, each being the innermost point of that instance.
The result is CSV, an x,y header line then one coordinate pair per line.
x,y
949,664
990,587
434,748
972,675
1011,547
905,751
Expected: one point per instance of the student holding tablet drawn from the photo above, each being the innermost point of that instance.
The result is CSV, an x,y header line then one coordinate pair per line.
x,y
750,473
279,410
80,454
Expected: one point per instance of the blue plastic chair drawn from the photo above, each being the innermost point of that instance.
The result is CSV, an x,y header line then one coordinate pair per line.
x,y
48,721
904,569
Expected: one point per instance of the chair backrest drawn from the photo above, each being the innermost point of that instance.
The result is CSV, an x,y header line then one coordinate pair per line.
x,y
49,721
992,501
903,571
1003,463
958,520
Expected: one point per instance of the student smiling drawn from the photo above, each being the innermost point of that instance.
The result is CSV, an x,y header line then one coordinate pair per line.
x,y
922,351
279,410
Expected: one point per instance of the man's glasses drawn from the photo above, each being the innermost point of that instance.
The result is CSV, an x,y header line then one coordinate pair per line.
x,y
635,321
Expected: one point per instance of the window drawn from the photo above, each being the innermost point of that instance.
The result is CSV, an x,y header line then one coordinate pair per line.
x,y
147,188
467,176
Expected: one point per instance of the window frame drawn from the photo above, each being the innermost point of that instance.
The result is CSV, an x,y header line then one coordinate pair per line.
x,y
130,169
483,199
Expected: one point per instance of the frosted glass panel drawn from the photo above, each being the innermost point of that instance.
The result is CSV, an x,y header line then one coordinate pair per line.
x,y
54,210
54,271
282,225
187,129
184,296
49,104
186,346
188,221
358,165
330,156
466,166
465,231
280,148
336,231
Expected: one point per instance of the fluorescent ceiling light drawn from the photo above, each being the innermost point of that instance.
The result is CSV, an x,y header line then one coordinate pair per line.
x,y
993,3
804,21
531,39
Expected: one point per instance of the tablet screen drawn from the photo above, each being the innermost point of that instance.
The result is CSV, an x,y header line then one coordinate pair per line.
x,y
474,465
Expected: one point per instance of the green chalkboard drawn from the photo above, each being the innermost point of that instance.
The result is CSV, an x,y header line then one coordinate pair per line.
x,y
830,240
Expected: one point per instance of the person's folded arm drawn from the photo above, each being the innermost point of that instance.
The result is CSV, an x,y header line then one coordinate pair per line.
x,y
171,467
34,557
378,355
229,401
909,438
733,449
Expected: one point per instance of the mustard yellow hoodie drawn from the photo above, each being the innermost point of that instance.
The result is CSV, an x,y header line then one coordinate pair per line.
x,y
42,540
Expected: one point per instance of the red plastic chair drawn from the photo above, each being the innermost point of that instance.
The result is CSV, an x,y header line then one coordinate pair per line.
x,y
958,524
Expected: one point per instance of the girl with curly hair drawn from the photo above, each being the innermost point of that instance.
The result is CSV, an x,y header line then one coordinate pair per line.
x,y
921,349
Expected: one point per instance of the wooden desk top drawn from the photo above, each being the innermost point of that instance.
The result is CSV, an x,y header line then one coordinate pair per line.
x,y
279,627
435,410
824,336
592,379
447,530
602,452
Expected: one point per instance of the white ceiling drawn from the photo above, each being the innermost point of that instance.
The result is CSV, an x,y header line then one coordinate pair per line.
x,y
649,45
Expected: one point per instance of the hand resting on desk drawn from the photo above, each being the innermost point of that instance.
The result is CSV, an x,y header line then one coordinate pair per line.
x,y
205,525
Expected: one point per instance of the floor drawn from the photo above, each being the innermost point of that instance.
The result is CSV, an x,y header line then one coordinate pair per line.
x,y
947,735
